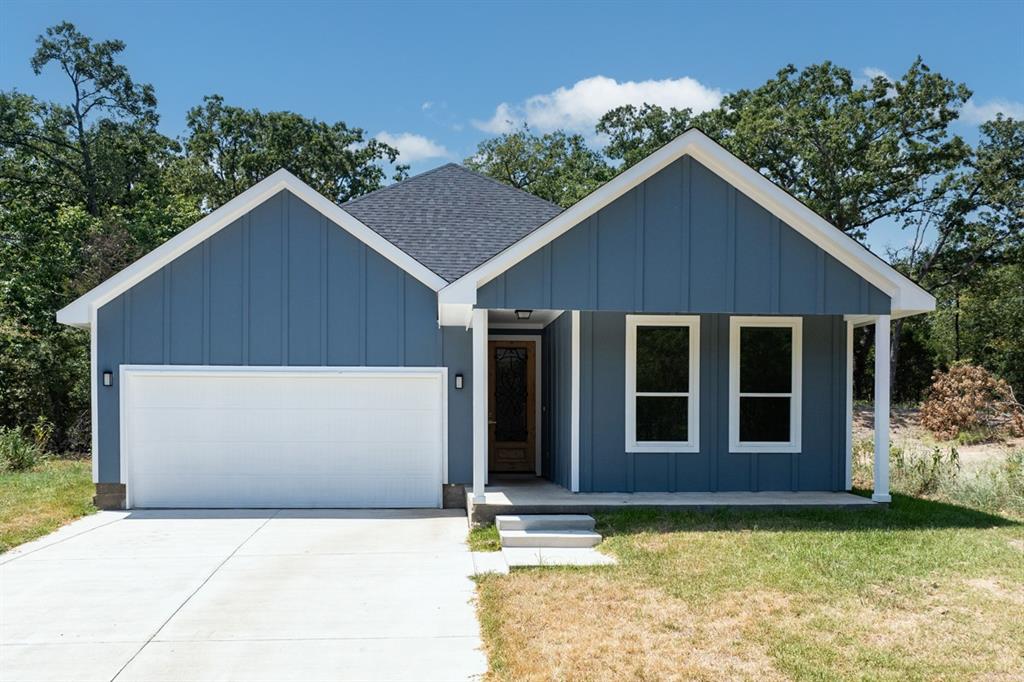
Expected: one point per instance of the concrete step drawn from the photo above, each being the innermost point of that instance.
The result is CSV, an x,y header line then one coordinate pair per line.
x,y
548,538
545,522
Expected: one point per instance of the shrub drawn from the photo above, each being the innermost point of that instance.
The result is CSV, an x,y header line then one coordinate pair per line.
x,y
17,452
970,399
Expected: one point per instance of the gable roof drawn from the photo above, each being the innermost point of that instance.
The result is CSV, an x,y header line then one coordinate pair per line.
x,y
907,297
79,313
451,219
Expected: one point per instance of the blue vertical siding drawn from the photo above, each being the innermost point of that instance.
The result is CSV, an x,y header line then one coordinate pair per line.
x,y
684,241
605,466
282,285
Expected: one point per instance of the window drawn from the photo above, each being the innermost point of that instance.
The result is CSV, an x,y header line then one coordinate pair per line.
x,y
764,384
662,383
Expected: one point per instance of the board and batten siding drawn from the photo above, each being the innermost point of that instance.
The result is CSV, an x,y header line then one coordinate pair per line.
x,y
281,286
684,241
605,466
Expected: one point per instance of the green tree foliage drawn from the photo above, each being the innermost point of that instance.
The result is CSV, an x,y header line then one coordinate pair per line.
x,y
228,149
88,184
634,133
556,166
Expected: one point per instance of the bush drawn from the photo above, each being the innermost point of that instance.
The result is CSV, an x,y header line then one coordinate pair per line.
x,y
17,452
970,399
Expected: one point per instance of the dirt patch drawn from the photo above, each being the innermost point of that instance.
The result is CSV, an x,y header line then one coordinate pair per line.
x,y
906,430
572,625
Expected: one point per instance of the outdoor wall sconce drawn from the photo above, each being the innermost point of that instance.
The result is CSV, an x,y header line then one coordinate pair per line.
x,y
458,381
523,314
108,378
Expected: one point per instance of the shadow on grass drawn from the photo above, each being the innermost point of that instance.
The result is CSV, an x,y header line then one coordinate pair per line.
x,y
904,513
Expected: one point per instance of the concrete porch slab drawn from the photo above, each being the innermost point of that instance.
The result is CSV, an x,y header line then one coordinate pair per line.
x,y
539,496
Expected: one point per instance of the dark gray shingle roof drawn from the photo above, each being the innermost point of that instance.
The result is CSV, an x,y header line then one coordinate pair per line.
x,y
451,219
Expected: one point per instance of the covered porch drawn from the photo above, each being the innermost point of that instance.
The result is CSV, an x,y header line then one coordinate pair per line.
x,y
494,493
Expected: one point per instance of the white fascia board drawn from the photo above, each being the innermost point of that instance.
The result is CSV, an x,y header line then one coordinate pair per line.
x,y
907,297
77,313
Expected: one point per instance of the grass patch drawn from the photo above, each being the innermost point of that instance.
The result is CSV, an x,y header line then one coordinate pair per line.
x,y
923,590
484,539
40,500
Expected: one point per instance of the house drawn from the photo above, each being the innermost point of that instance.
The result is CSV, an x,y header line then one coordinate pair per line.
x,y
686,327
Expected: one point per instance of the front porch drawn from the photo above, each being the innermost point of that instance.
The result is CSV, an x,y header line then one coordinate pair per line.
x,y
539,496
583,446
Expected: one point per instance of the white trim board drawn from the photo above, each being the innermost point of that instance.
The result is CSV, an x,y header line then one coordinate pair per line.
x,y
574,410
795,395
692,323
126,372
538,392
77,312
907,297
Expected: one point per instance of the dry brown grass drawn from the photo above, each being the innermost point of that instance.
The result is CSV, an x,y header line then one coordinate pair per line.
x,y
935,594
580,625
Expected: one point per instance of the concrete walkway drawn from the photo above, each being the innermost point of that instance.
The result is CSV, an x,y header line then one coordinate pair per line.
x,y
242,595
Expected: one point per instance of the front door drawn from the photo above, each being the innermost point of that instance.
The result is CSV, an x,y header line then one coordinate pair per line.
x,y
512,415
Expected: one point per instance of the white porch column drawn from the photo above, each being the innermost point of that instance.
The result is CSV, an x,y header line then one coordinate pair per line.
x,y
882,389
574,429
479,403
849,404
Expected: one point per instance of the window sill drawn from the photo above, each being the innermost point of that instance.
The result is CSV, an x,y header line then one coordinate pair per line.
x,y
681,448
765,448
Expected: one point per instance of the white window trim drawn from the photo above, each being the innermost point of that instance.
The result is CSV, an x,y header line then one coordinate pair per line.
x,y
693,404
795,396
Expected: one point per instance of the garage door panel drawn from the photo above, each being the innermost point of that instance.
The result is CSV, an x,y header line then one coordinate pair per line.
x,y
283,440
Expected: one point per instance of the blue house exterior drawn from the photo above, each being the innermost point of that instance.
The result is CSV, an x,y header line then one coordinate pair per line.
x,y
690,325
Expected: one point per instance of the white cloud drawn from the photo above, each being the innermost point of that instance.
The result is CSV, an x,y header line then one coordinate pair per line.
x,y
578,108
870,73
412,147
426,105
975,112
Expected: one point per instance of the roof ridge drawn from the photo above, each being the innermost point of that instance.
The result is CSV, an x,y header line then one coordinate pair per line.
x,y
504,185
400,182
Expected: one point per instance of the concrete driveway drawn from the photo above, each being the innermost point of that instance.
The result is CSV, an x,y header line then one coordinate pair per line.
x,y
242,595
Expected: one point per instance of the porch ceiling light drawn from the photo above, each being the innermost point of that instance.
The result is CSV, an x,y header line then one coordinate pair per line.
x,y
523,314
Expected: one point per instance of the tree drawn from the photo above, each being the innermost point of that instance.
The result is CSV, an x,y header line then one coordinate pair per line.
x,y
229,149
73,174
636,132
96,145
555,166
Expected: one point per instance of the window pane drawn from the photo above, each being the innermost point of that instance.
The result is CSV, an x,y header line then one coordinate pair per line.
x,y
663,359
766,359
661,419
764,420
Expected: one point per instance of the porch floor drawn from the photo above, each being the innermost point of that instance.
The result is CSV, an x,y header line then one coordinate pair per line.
x,y
539,496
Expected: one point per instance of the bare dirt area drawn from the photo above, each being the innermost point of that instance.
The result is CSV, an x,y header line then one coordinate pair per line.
x,y
908,433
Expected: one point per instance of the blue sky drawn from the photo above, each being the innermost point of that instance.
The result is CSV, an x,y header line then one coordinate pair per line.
x,y
437,78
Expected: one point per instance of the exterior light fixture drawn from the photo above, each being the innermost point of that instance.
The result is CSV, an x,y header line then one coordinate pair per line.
x,y
458,382
523,314
108,378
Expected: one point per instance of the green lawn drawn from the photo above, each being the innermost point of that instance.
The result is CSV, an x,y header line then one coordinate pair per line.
x,y
923,590
38,501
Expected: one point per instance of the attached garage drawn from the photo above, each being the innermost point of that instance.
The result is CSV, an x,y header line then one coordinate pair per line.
x,y
282,437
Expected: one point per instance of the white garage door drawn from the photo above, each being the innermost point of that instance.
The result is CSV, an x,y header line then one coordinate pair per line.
x,y
261,438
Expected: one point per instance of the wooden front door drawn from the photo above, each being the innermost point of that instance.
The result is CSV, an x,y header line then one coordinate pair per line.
x,y
511,412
